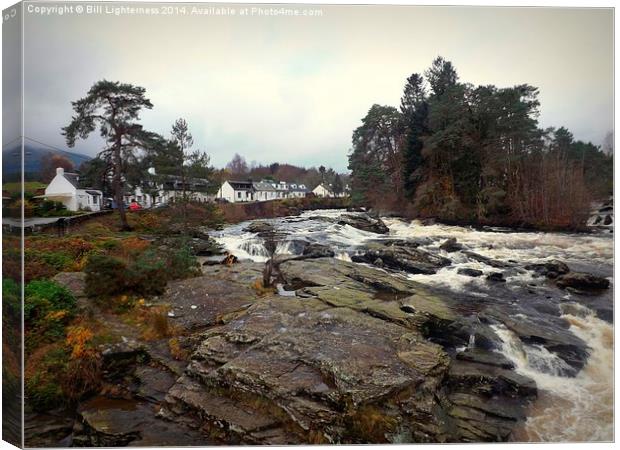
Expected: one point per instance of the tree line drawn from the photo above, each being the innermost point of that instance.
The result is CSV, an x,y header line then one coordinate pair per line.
x,y
461,152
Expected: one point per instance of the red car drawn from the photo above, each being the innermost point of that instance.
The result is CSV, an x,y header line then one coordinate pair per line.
x,y
134,206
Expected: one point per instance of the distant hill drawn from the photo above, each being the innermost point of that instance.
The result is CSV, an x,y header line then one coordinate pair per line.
x,y
11,159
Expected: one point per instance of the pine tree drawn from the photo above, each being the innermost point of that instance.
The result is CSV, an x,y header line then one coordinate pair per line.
x,y
114,108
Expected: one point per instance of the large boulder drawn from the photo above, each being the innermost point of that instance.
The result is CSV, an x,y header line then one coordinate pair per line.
x,y
107,422
315,250
364,222
550,269
402,257
582,282
469,272
259,227
451,245
203,301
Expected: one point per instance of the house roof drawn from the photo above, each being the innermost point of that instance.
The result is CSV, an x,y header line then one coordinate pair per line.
x,y
263,186
72,178
322,185
241,185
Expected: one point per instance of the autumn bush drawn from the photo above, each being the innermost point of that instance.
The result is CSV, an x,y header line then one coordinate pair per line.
x,y
45,256
83,370
63,372
42,377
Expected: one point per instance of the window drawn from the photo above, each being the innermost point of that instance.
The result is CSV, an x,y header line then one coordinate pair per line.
x,y
239,195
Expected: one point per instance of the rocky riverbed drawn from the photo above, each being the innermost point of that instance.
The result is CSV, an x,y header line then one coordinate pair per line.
x,y
380,331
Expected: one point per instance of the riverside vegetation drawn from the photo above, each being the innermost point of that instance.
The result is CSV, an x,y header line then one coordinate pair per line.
x,y
474,154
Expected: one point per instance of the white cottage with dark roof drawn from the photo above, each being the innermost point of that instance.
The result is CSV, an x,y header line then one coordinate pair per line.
x,y
64,188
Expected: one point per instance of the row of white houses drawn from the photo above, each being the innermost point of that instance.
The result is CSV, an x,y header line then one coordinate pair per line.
x,y
65,188
250,191
253,191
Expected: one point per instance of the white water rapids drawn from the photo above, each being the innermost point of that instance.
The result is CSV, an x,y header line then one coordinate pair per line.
x,y
573,409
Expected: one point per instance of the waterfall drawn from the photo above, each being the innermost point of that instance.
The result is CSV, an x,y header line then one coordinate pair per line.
x,y
567,409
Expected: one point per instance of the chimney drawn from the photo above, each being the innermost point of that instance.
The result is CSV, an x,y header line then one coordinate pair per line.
x,y
60,171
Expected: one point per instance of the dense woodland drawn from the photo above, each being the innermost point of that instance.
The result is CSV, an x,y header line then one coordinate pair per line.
x,y
468,153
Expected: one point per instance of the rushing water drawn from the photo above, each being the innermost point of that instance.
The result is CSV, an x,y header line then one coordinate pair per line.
x,y
576,408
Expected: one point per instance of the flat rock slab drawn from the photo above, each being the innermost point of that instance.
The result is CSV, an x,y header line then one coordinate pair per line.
x,y
154,382
73,281
202,301
117,422
353,360
309,362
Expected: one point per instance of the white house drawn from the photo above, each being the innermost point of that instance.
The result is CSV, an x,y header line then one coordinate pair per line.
x,y
323,191
236,191
297,190
264,190
64,188
260,191
169,190
281,189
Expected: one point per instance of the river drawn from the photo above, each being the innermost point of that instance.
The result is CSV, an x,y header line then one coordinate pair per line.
x,y
570,406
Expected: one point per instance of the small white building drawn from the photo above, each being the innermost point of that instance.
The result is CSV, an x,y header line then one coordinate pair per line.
x,y
297,190
236,191
64,188
264,190
323,191
281,189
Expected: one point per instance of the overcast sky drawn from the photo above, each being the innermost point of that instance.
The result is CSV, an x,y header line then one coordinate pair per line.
x,y
292,89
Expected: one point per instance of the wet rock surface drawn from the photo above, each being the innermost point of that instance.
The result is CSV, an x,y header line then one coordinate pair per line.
x,y
315,250
259,227
364,222
451,245
401,256
582,282
203,301
470,272
550,269
349,361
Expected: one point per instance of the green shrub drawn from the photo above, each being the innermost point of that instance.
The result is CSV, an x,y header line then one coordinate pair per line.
x,y
11,300
105,276
182,263
110,244
148,274
59,261
48,307
44,296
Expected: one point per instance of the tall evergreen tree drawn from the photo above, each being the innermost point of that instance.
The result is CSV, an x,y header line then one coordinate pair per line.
x,y
414,109
375,161
114,108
